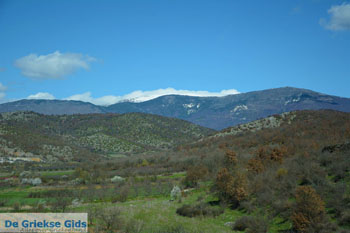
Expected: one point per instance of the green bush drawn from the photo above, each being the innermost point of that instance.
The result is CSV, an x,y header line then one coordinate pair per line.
x,y
17,206
251,224
174,229
201,209
345,218
3,202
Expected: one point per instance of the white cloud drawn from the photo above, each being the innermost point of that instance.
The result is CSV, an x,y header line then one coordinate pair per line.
x,y
140,96
41,95
339,18
52,66
2,91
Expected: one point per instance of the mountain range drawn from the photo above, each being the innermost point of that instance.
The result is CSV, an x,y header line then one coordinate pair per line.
x,y
212,112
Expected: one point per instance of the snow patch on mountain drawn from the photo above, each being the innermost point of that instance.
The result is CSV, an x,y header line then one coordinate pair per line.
x,y
292,101
239,108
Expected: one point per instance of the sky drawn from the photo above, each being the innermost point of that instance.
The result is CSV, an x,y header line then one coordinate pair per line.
x,y
107,51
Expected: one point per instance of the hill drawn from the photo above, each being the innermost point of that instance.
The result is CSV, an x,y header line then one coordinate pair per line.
x,y
77,137
285,173
51,107
291,170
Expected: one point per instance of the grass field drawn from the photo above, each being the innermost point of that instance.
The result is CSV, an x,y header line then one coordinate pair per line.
x,y
155,212
56,173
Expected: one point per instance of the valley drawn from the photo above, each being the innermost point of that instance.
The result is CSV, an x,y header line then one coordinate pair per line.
x,y
266,175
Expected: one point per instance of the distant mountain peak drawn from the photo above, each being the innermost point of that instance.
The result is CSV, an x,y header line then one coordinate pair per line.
x,y
212,112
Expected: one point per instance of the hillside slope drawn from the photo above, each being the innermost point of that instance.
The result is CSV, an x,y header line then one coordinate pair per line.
x,y
310,128
51,107
70,137
282,168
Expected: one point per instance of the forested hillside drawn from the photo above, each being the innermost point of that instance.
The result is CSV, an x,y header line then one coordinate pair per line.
x,y
290,169
77,137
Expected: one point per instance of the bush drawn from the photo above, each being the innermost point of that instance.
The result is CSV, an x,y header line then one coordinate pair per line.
x,y
174,229
247,206
3,202
122,194
134,226
251,224
201,209
194,175
39,207
60,204
109,220
17,206
345,218
232,189
309,212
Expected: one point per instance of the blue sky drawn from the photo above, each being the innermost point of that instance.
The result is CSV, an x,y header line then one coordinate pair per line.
x,y
104,51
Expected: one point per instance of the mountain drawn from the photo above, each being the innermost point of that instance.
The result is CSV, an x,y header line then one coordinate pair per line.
x,y
222,112
212,112
78,137
51,107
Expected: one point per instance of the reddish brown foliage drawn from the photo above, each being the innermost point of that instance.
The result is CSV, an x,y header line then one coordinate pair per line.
x,y
194,174
255,165
231,188
230,157
310,209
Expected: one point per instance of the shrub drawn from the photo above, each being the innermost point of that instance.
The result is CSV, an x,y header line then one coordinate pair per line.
x,y
255,165
345,218
123,193
194,175
17,206
109,220
39,207
343,231
251,224
173,229
232,189
281,172
201,209
309,211
134,226
175,193
247,206
3,202
230,157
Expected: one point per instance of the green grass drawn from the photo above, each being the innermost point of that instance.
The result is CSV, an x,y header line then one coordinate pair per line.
x,y
56,173
18,195
278,224
117,156
4,174
156,212
160,213
176,175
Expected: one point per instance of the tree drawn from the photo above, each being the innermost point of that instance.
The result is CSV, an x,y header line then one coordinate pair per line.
x,y
61,203
255,165
109,220
232,189
309,211
230,157
194,175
